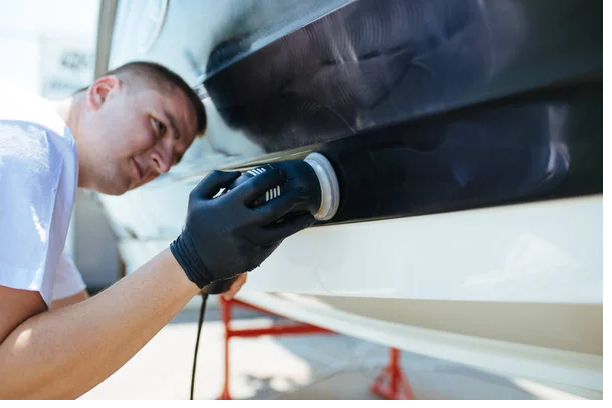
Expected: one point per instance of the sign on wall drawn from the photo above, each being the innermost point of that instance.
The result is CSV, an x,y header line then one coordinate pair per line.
x,y
68,65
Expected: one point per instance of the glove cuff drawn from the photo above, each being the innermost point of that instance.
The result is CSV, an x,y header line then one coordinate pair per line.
x,y
184,252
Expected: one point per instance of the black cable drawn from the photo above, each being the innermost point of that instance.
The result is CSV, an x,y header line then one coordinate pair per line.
x,y
195,353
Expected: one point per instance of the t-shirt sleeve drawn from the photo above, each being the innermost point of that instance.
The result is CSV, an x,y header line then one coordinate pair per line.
x,y
68,279
29,177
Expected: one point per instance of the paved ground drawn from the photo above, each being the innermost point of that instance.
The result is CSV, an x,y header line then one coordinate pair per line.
x,y
292,367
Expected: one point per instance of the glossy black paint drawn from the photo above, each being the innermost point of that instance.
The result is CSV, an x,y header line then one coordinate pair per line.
x,y
371,64
430,106
541,146
422,106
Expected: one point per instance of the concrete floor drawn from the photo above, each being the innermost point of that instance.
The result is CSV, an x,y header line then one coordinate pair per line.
x,y
294,367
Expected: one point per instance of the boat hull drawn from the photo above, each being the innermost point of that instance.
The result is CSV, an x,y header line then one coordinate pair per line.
x,y
467,139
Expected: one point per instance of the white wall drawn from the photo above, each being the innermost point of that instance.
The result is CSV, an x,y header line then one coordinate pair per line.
x,y
27,30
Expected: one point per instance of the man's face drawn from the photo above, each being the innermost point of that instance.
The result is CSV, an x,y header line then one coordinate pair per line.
x,y
130,137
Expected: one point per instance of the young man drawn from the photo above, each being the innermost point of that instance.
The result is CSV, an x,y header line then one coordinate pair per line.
x,y
120,133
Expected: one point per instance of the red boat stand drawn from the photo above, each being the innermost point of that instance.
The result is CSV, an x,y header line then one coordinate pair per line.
x,y
397,387
391,383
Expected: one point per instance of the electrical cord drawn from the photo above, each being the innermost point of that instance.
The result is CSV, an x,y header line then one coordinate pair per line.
x,y
197,344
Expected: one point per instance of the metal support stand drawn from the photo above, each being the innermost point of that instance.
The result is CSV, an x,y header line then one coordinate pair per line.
x,y
274,330
391,383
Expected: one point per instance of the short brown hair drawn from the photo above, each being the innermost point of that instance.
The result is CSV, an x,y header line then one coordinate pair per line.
x,y
162,76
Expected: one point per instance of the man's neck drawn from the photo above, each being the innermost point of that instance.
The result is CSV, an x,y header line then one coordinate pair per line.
x,y
69,110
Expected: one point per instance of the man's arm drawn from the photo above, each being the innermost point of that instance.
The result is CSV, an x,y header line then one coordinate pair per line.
x,y
70,300
63,353
17,305
79,297
66,352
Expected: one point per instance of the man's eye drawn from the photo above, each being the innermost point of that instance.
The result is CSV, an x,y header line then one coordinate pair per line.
x,y
160,127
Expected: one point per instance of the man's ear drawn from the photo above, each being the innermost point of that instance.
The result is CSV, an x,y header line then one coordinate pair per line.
x,y
100,90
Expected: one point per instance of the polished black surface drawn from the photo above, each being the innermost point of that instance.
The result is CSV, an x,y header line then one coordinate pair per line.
x,y
370,64
422,106
430,106
539,146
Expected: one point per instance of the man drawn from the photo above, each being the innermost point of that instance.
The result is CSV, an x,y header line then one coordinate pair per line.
x,y
120,133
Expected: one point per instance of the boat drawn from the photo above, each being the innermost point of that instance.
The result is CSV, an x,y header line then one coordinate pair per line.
x,y
467,139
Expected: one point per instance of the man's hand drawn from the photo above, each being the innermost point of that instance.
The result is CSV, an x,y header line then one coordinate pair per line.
x,y
226,235
236,285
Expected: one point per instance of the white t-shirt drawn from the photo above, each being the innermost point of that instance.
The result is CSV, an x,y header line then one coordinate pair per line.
x,y
38,181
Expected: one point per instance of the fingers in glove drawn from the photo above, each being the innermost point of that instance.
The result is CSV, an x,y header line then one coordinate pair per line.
x,y
236,285
215,181
274,209
277,232
257,186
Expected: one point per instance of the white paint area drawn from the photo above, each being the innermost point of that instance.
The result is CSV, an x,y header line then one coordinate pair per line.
x,y
549,251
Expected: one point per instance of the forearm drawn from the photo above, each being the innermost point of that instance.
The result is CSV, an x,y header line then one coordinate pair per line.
x,y
64,353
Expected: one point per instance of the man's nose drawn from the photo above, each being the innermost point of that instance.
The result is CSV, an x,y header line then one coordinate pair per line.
x,y
160,161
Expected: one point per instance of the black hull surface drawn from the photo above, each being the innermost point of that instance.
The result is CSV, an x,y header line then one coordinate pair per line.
x,y
421,106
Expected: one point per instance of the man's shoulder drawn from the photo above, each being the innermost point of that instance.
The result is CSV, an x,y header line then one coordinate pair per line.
x,y
26,152
34,171
33,138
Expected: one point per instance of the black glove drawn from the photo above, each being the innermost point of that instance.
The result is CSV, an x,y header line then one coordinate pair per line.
x,y
226,235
